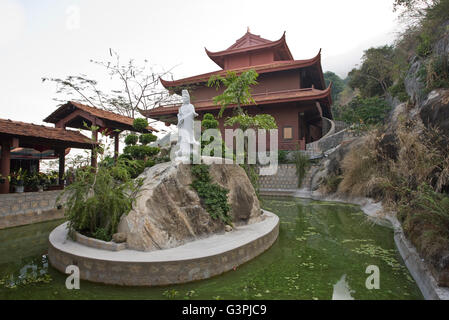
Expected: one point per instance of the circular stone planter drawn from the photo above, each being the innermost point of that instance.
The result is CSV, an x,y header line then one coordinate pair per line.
x,y
195,260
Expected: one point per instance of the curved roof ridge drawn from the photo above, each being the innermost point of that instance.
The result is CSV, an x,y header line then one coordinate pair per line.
x,y
234,50
263,68
248,35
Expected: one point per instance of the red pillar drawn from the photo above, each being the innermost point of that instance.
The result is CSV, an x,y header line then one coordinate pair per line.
x,y
5,166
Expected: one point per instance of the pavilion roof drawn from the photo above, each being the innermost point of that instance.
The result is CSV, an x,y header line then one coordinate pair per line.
x,y
307,94
264,68
251,42
117,121
38,135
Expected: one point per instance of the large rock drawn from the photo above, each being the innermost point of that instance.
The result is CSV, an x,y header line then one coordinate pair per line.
x,y
168,211
414,85
434,111
331,165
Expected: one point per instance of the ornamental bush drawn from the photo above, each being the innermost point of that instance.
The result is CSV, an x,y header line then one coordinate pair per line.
x,y
131,139
147,138
140,124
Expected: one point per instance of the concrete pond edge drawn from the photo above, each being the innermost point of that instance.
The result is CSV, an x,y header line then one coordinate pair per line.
x,y
195,260
415,264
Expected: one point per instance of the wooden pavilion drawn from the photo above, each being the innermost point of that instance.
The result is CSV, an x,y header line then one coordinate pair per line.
x,y
77,115
15,134
19,139
292,91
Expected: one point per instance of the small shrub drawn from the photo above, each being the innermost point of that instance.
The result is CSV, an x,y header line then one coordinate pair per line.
x,y
131,139
209,122
424,47
140,124
282,156
398,90
147,138
302,163
141,152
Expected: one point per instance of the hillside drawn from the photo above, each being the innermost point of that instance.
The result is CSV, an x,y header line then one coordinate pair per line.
x,y
402,159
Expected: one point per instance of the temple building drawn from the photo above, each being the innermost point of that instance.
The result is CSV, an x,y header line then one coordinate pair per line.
x,y
292,91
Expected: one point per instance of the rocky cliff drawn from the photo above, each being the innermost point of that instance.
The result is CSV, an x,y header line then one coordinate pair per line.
x,y
168,211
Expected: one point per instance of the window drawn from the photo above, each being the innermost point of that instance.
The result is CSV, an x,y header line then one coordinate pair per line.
x,y
287,133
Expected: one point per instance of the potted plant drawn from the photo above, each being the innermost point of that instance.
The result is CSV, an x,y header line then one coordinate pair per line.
x,y
17,180
42,181
32,182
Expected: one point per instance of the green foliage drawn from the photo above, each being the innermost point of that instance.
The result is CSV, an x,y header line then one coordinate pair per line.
x,y
376,73
302,163
17,178
131,139
435,73
282,156
424,47
209,122
238,89
128,167
170,294
433,203
398,90
253,175
95,201
140,124
213,196
370,111
136,158
141,152
245,121
338,84
238,92
147,138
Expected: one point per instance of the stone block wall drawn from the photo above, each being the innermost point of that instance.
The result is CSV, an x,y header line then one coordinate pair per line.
x,y
285,178
18,209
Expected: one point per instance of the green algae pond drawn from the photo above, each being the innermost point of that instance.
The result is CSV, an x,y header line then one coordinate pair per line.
x,y
322,252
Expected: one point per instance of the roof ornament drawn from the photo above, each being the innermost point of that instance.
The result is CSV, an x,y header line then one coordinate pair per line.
x,y
247,29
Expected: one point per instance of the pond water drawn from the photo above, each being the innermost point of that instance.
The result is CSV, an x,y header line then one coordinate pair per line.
x,y
322,252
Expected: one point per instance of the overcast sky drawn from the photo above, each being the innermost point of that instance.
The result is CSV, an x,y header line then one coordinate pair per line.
x,y
57,38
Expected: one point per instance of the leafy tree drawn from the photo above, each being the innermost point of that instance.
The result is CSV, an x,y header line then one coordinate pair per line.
x,y
376,73
245,121
238,92
368,111
238,89
138,87
338,84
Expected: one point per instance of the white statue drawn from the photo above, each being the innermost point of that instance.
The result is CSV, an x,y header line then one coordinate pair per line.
x,y
186,137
